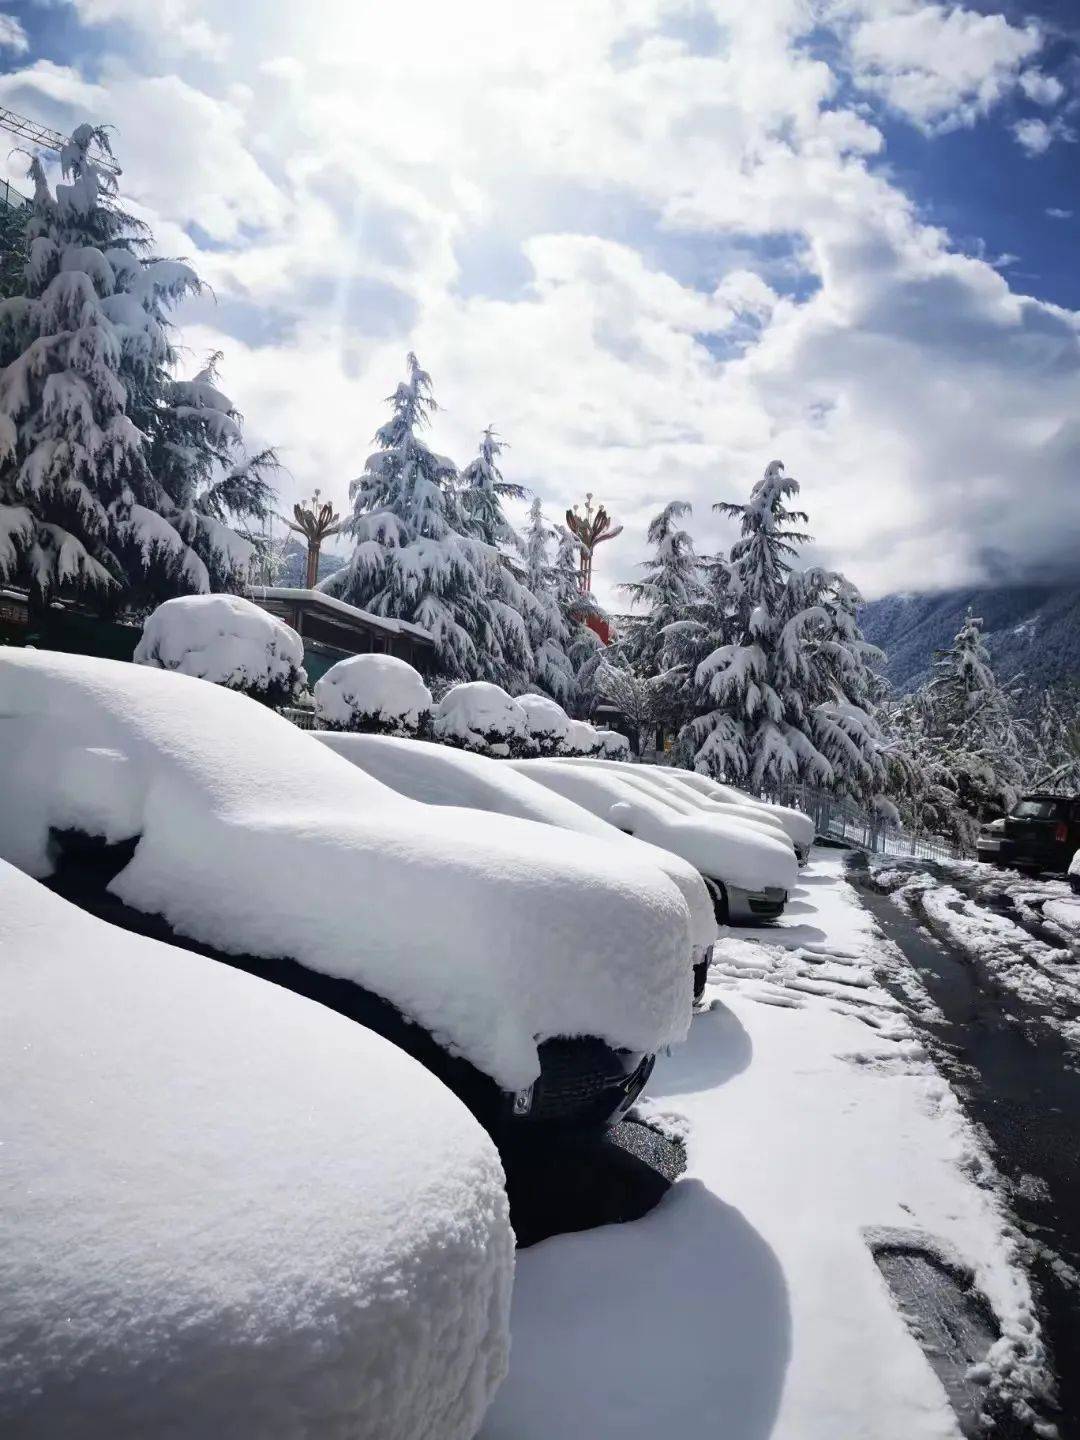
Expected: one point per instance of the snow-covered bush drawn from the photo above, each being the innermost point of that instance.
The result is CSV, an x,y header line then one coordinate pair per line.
x,y
581,739
170,1267
483,717
378,694
229,641
613,745
547,723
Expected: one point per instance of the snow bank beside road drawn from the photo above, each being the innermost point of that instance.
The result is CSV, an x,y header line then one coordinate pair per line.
x,y
814,1119
227,1210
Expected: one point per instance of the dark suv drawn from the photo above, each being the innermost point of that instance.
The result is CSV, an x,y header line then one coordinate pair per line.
x,y
1042,832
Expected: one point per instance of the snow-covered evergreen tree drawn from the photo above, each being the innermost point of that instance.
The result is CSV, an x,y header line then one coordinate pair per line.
x,y
1055,742
780,689
553,671
482,494
414,559
671,593
214,487
85,354
972,721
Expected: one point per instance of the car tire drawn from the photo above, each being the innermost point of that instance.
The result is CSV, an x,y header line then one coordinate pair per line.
x,y
701,974
719,899
1074,881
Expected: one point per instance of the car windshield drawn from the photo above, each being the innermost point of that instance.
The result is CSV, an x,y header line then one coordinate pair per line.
x,y
1037,810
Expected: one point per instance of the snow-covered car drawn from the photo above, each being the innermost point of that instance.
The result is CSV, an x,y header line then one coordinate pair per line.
x,y
799,827
439,775
536,974
661,783
1074,873
227,1210
988,842
749,873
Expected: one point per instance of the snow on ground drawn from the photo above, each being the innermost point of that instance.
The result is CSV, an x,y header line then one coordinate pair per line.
x,y
226,1210
1024,932
748,1303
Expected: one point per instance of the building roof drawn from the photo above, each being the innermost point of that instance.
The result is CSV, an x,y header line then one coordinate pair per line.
x,y
317,600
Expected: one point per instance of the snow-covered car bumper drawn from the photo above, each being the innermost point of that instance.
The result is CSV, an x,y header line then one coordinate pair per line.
x,y
752,907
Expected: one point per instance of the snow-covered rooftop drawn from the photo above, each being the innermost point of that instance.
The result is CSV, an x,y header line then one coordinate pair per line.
x,y
318,600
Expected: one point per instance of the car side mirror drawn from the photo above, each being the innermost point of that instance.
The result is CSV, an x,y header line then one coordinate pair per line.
x,y
626,815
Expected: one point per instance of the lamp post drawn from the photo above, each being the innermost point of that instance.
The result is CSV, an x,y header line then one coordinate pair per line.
x,y
315,522
591,529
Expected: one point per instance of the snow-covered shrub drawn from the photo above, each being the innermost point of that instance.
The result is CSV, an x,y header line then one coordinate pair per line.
x,y
170,1267
378,694
613,745
229,641
581,739
481,716
547,723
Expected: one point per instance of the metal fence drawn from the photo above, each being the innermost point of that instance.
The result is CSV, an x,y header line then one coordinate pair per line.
x,y
837,818
305,719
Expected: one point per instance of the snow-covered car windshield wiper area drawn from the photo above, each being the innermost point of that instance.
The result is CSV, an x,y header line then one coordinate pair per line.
x,y
498,939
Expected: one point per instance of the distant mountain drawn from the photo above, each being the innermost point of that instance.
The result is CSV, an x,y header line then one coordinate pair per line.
x,y
296,564
1031,630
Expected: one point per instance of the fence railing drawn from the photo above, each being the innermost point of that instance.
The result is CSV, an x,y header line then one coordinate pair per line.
x,y
305,719
838,818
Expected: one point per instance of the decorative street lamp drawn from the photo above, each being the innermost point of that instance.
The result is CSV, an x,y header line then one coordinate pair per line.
x,y
315,522
591,529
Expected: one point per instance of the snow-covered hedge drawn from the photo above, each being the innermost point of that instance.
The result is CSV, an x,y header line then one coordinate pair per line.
x,y
376,694
483,717
581,739
613,746
229,641
232,1211
547,723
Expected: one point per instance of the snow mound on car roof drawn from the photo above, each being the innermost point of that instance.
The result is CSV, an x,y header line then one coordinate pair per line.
x,y
439,775
493,933
721,848
229,1210
224,639
379,688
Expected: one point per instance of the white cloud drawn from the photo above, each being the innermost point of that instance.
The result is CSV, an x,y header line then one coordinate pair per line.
x,y
12,35
1041,89
681,265
176,26
1057,214
941,66
1036,136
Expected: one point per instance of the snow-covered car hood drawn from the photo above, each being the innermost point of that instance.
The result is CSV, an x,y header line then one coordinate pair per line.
x,y
720,848
491,932
439,775
213,1190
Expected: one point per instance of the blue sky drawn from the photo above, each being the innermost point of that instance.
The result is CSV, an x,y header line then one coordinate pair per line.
x,y
658,243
